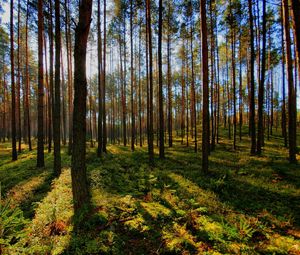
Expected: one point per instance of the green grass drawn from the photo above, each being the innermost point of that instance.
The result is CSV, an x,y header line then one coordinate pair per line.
x,y
245,205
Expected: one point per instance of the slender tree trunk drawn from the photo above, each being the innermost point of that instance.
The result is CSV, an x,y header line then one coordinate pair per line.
x,y
283,110
78,170
260,128
252,86
40,147
150,142
182,97
240,93
100,85
233,85
19,85
291,94
169,79
160,85
27,90
132,78
296,26
13,89
69,68
205,115
104,142
56,113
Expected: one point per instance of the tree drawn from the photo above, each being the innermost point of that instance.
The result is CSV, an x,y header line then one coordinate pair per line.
x,y
40,148
260,128
27,89
56,101
160,84
132,78
296,26
252,84
291,94
205,114
150,108
13,89
100,85
78,170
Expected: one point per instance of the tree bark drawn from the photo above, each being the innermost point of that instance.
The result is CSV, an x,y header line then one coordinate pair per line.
x,y
150,131
56,113
13,89
78,170
160,85
252,86
260,128
40,135
291,94
205,114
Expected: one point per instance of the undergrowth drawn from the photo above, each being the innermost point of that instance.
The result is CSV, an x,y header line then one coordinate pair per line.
x,y
245,205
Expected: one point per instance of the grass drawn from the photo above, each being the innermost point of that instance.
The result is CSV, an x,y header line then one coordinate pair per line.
x,y
245,205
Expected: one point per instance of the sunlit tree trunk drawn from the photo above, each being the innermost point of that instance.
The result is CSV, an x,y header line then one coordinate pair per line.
x,y
78,170
205,115
291,94
40,148
13,88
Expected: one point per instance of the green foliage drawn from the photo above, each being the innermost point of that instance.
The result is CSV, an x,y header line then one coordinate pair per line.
x,y
12,224
245,205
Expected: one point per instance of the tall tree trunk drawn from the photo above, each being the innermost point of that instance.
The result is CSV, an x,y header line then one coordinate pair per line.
x,y
51,71
252,86
182,97
104,82
100,85
205,115
296,26
233,85
291,95
27,90
169,79
69,68
193,96
240,93
13,89
160,84
132,78
150,131
19,84
260,128
78,170
56,113
40,135
283,110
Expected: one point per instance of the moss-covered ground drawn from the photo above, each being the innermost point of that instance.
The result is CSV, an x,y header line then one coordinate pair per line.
x,y
244,205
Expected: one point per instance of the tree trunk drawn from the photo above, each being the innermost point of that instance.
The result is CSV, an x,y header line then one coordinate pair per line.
x,y
150,131
296,26
78,170
104,83
40,135
252,86
132,79
19,85
56,113
160,85
291,94
260,128
27,89
13,89
205,115
100,85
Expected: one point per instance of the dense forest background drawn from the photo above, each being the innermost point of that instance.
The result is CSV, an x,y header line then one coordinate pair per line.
x,y
169,120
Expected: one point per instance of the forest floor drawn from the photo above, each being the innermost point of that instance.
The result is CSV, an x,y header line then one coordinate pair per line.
x,y
245,205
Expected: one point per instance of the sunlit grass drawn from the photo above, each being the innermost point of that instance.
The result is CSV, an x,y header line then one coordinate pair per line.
x,y
245,205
